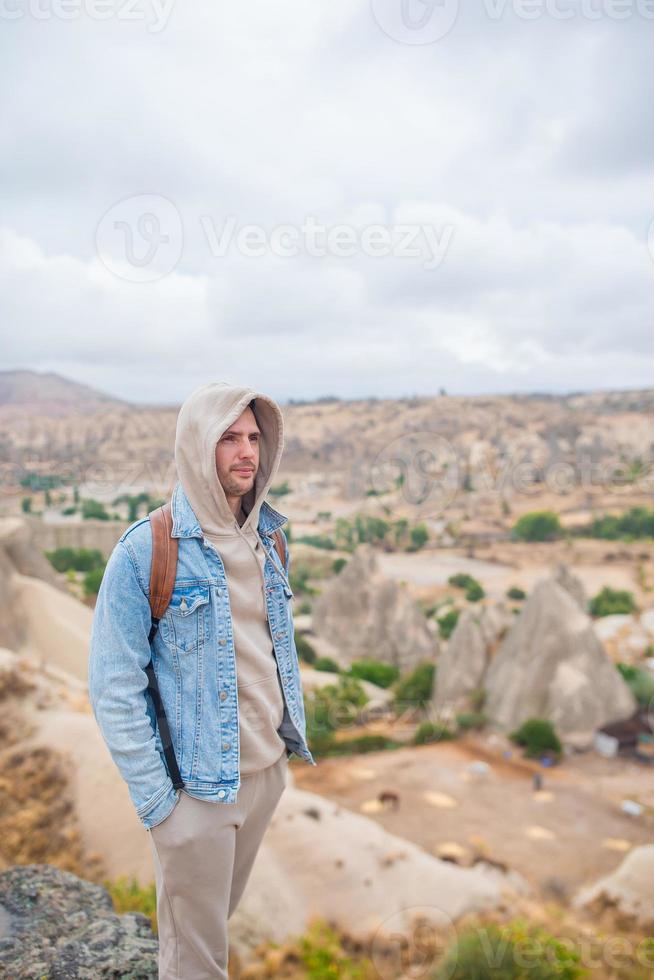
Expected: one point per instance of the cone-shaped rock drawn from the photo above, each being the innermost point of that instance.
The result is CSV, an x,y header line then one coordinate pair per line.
x,y
364,614
552,665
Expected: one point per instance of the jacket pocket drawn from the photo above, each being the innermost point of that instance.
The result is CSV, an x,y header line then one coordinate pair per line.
x,y
183,623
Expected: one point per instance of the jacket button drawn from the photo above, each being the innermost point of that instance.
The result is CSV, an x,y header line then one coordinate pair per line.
x,y
221,793
225,745
222,642
223,695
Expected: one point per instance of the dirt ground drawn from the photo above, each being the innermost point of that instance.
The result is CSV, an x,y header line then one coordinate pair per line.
x,y
565,836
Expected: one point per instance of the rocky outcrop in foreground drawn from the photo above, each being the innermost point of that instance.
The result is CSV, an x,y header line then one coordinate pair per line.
x,y
56,925
629,889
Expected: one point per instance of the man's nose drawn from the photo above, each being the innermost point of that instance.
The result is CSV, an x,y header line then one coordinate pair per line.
x,y
246,450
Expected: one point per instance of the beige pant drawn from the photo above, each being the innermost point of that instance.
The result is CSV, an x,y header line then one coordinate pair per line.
x,y
203,854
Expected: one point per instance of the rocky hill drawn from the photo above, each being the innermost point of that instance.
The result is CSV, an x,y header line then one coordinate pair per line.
x,y
45,391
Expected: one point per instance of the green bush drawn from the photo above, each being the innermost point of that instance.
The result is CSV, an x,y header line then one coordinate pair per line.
x,y
538,525
280,489
469,720
79,559
299,579
92,581
415,689
637,522
515,593
447,622
461,580
304,649
610,601
94,510
364,528
338,565
641,683
516,951
431,731
477,698
331,707
473,589
327,664
374,671
318,541
363,743
128,895
475,592
323,957
537,736
419,537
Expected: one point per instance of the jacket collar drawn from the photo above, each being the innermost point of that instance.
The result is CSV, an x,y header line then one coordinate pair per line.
x,y
186,524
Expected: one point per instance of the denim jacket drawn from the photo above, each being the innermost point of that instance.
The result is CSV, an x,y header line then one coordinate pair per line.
x,y
194,661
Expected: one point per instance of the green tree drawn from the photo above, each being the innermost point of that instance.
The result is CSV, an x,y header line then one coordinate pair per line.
x,y
447,622
537,735
374,671
538,525
93,509
609,602
419,537
415,689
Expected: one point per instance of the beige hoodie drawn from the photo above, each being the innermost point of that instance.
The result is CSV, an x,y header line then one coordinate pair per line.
x,y
202,419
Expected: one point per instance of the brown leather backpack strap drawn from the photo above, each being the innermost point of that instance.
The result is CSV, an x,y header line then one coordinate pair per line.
x,y
279,547
164,560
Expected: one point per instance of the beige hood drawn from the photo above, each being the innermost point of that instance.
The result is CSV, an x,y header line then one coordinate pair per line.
x,y
202,419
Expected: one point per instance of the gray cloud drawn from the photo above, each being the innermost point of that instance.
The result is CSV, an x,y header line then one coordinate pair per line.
x,y
530,138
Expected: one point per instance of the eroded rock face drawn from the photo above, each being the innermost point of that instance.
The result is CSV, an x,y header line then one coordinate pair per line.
x,y
19,556
629,889
572,584
56,925
364,614
461,667
551,664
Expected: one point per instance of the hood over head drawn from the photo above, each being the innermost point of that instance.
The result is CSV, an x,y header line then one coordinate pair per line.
x,y
204,416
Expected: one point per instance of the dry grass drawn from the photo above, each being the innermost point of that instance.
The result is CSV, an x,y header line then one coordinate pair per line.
x,y
38,823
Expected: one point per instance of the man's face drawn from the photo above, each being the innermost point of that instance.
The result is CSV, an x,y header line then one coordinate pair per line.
x,y
237,455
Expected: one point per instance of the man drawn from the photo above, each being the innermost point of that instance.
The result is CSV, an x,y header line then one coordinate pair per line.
x,y
227,671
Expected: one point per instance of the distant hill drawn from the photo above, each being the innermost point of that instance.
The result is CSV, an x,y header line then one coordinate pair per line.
x,y
49,391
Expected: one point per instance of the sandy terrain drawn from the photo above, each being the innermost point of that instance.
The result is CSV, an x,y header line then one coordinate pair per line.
x,y
569,833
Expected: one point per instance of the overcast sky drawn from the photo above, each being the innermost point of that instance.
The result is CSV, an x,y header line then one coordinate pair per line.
x,y
438,197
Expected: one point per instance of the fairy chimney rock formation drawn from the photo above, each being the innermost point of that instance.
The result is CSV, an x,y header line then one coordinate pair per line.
x,y
462,665
552,665
572,583
364,614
